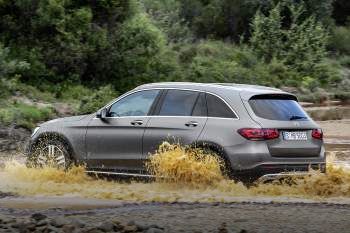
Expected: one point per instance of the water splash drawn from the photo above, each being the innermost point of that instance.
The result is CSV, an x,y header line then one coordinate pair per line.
x,y
195,178
190,166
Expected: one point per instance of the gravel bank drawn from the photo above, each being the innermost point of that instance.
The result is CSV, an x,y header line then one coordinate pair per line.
x,y
183,217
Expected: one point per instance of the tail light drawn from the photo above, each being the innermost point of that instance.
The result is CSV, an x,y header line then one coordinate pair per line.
x,y
317,134
256,134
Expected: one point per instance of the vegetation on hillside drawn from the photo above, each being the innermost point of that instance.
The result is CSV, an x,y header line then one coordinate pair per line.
x,y
87,52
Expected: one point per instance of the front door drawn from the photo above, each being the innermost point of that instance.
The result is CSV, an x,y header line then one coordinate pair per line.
x,y
180,118
115,142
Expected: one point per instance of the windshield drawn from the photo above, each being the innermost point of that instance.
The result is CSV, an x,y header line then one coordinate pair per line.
x,y
278,109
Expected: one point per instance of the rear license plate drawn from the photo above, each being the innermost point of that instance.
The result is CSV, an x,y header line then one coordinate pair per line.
x,y
295,136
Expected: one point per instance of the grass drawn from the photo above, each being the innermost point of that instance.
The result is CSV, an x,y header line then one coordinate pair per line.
x,y
24,115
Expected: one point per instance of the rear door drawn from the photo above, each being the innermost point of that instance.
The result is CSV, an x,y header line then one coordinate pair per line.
x,y
284,113
180,117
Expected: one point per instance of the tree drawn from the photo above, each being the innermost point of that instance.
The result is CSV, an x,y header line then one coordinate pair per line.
x,y
301,44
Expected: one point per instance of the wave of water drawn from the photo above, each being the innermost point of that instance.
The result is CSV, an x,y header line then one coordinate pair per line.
x,y
195,178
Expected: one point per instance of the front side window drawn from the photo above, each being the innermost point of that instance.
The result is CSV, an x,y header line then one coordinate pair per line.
x,y
278,109
218,108
178,103
136,104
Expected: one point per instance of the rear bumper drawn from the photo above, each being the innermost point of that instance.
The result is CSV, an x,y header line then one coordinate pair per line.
x,y
276,171
277,176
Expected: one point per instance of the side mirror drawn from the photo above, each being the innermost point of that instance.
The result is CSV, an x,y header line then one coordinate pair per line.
x,y
102,114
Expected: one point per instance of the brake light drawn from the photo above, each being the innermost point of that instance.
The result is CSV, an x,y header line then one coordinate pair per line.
x,y
257,134
317,134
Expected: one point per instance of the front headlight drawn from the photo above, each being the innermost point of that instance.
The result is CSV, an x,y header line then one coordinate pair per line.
x,y
35,130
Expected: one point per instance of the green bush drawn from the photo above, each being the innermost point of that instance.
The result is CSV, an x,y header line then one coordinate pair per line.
x,y
24,115
344,60
142,55
340,40
216,61
74,93
343,96
166,16
301,44
98,99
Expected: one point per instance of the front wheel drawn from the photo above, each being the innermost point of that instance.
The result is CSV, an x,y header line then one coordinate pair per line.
x,y
50,153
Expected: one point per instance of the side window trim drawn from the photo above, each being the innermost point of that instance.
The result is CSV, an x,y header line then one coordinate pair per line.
x,y
157,101
201,95
160,102
195,103
161,96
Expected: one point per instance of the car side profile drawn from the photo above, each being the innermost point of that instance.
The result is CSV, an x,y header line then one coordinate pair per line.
x,y
259,132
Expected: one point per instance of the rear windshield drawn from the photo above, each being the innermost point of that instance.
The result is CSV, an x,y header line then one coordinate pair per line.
x,y
278,109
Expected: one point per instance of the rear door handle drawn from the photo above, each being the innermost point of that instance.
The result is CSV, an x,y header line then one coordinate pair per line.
x,y
137,122
191,124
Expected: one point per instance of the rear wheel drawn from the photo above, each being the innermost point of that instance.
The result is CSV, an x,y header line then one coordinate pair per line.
x,y
50,152
225,165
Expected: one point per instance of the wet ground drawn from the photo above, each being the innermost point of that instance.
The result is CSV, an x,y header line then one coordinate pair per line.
x,y
188,217
75,202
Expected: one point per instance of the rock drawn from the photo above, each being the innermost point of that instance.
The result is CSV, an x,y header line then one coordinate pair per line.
x,y
131,223
222,228
156,226
26,226
38,216
41,223
128,228
78,223
8,220
117,225
92,230
68,228
58,222
106,226
154,230
13,138
142,227
52,229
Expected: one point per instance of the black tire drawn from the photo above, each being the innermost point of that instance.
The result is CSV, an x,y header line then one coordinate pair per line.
x,y
50,151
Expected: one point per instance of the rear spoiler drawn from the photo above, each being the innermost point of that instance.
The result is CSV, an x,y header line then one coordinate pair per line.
x,y
283,96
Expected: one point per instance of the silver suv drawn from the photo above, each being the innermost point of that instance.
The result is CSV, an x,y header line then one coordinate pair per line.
x,y
260,132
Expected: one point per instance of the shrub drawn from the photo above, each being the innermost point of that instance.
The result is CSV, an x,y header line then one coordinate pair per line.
x,y
344,60
343,96
340,39
102,96
24,115
301,44
74,93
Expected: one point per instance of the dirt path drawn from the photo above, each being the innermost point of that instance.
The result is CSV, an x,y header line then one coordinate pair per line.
x,y
337,129
183,217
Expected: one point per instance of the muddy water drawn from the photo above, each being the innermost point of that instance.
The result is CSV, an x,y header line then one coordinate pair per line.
x,y
193,180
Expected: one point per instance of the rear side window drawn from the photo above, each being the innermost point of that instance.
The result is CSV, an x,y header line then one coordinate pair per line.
x,y
282,109
218,108
178,103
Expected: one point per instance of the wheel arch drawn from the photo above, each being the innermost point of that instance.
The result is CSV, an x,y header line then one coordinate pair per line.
x,y
54,136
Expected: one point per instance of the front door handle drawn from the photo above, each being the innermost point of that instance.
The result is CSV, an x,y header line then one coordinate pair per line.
x,y
191,124
137,122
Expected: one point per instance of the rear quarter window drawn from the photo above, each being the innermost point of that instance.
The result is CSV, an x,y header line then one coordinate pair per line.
x,y
218,108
